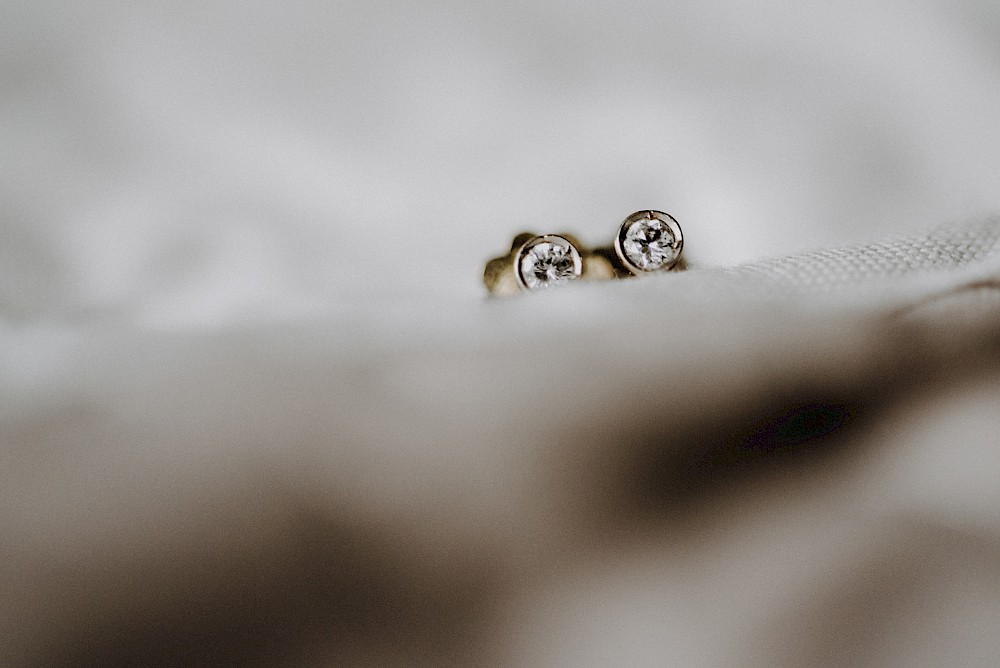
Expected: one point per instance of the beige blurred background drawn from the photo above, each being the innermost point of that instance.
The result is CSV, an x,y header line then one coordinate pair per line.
x,y
195,163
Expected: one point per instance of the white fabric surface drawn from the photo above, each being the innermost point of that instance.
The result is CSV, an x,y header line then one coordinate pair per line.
x,y
257,410
706,468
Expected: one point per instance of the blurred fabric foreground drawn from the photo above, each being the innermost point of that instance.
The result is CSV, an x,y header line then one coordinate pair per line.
x,y
255,408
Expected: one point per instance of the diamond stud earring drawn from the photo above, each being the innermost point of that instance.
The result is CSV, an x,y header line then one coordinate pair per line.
x,y
649,241
533,263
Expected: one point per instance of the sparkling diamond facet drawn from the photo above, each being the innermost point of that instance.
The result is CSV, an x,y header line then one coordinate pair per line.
x,y
650,244
549,260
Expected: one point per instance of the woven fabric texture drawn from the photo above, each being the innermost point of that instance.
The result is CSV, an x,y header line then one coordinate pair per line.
x,y
946,248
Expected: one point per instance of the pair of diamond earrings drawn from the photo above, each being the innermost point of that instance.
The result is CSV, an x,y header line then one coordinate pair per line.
x,y
647,242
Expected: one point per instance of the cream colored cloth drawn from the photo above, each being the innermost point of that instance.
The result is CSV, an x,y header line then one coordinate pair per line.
x,y
787,463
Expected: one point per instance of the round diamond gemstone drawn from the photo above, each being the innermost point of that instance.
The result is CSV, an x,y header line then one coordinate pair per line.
x,y
547,261
651,244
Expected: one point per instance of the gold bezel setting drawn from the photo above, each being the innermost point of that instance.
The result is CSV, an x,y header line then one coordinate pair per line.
x,y
547,260
640,245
